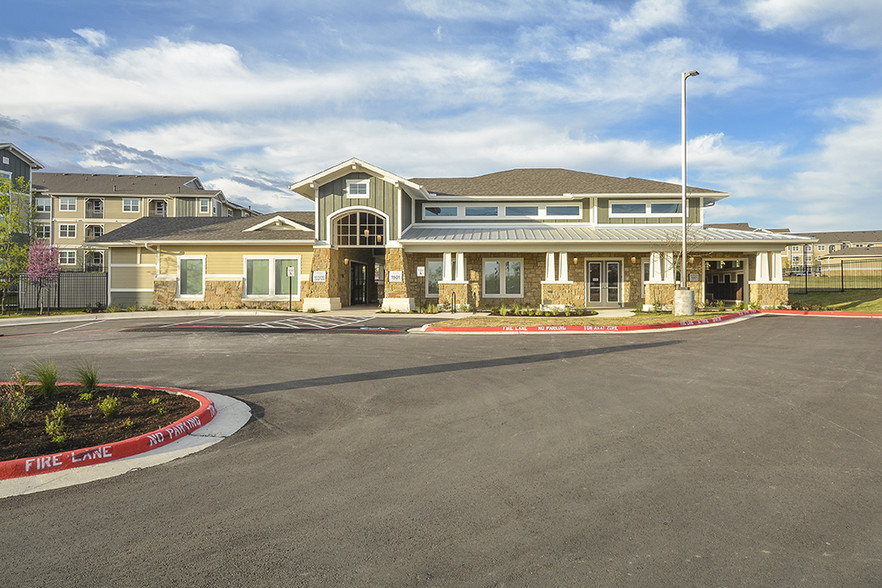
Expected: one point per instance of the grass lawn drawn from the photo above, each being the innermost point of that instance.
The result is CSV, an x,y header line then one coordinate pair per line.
x,y
34,313
641,318
848,301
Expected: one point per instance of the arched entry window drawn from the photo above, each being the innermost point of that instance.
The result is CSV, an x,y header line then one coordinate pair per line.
x,y
360,229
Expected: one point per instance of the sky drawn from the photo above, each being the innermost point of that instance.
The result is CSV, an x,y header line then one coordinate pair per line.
x,y
786,114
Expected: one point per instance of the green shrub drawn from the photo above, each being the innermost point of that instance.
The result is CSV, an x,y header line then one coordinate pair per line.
x,y
720,305
87,376
108,405
154,401
86,396
132,308
128,424
55,430
60,411
113,308
46,373
135,395
160,410
311,310
502,310
14,401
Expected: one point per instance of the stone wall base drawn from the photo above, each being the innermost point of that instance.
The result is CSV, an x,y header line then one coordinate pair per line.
x,y
398,304
769,294
322,304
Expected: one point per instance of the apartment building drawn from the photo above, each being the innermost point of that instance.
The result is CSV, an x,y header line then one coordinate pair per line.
x,y
73,209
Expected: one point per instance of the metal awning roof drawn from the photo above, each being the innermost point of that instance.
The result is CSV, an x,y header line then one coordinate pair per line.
x,y
594,235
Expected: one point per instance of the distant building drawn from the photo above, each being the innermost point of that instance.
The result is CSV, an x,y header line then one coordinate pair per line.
x,y
75,208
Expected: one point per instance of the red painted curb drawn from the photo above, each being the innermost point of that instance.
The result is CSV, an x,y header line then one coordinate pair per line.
x,y
589,328
30,466
823,313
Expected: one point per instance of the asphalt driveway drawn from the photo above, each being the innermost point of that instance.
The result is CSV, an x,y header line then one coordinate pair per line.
x,y
747,454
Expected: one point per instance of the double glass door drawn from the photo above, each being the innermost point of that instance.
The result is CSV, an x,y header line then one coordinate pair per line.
x,y
604,282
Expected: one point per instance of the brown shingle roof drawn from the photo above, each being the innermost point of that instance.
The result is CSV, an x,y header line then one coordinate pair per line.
x,y
548,182
847,236
209,228
108,184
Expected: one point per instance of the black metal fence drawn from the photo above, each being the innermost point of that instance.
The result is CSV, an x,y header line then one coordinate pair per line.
x,y
837,276
71,290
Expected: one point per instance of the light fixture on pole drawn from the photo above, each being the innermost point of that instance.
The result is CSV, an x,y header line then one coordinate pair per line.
x,y
687,298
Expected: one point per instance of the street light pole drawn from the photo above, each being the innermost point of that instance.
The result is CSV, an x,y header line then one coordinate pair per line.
x,y
683,210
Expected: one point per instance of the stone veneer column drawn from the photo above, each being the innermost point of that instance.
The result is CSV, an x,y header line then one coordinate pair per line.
x,y
320,295
397,297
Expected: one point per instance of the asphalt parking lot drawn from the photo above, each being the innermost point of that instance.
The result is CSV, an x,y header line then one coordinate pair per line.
x,y
746,454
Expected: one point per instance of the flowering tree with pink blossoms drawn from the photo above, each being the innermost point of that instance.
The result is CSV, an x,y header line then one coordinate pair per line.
x,y
43,267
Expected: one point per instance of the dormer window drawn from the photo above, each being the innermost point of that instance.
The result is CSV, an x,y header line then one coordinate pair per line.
x,y
357,188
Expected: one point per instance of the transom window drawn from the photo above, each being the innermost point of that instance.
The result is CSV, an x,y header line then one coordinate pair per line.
x,y
67,204
131,205
620,209
360,229
268,276
507,210
521,211
503,278
357,188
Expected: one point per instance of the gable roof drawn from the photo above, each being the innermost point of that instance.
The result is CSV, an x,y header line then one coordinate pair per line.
x,y
120,184
306,186
855,252
22,155
846,236
552,182
743,227
208,229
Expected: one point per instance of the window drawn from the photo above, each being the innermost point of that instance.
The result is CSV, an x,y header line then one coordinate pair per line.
x,y
67,257
439,211
521,211
434,274
360,229
43,232
229,212
67,204
832,247
94,261
43,204
567,210
192,276
131,205
627,208
482,211
204,206
665,208
821,248
67,231
794,248
503,278
268,276
94,231
357,188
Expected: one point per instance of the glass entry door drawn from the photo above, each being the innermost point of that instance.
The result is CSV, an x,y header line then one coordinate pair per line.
x,y
358,283
604,282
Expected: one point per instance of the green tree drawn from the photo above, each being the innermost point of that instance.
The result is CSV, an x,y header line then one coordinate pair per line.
x,y
16,232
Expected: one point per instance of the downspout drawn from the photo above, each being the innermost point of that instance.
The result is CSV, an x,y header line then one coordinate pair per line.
x,y
156,251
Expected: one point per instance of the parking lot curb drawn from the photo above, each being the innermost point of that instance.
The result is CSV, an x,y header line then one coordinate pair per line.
x,y
56,462
690,323
838,313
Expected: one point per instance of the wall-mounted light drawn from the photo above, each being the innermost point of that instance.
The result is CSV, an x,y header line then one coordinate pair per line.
x,y
691,260
575,260
633,259
345,261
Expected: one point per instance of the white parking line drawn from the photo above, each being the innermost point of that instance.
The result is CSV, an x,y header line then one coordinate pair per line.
x,y
323,323
78,326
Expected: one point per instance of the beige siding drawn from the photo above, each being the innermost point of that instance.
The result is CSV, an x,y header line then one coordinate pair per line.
x,y
131,278
229,259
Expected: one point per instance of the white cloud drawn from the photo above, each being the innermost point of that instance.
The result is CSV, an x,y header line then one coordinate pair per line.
x,y
847,22
92,37
646,15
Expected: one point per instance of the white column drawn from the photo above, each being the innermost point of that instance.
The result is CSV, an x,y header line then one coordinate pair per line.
x,y
549,267
460,267
777,267
762,267
655,267
564,268
669,266
447,270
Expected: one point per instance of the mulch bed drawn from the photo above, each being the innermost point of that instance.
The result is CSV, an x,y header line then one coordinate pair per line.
x,y
86,426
